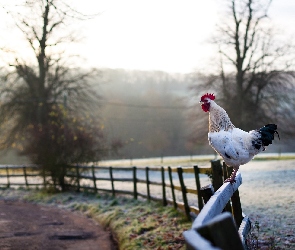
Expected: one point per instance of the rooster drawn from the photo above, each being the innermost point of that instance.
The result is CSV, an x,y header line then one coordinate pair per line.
x,y
234,145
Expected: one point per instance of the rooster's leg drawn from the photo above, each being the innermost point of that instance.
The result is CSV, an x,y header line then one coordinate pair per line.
x,y
232,177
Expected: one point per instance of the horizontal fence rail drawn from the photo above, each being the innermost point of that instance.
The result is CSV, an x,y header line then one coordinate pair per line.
x,y
24,175
213,229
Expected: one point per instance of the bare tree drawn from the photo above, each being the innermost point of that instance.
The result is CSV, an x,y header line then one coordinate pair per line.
x,y
255,73
49,107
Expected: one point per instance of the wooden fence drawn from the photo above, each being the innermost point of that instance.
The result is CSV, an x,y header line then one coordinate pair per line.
x,y
82,172
209,220
20,175
90,178
212,229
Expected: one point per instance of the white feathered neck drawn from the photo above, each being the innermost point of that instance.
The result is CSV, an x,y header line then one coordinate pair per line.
x,y
218,119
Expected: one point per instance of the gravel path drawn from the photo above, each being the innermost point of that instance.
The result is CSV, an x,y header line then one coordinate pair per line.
x,y
28,226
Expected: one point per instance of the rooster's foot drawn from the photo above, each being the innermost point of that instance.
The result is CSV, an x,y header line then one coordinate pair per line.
x,y
230,180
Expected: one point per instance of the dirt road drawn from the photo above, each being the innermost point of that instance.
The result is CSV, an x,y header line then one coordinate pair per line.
x,y
26,226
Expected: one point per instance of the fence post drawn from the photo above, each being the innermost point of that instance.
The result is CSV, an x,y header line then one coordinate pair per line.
x,y
78,178
7,176
198,185
25,175
94,178
163,186
228,206
148,183
237,208
112,181
224,169
206,192
134,183
216,174
183,189
236,202
222,232
172,187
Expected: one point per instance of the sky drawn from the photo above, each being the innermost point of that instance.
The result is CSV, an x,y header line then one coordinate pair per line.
x,y
151,35
166,35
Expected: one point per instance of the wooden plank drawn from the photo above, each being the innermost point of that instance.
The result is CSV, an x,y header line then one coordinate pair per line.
x,y
103,168
244,230
112,180
201,169
22,184
191,190
17,175
154,198
217,174
124,192
126,179
173,169
25,175
155,183
147,183
172,187
188,170
185,169
194,241
142,195
228,206
134,183
183,190
122,169
181,206
214,231
18,166
104,190
198,186
164,202
194,209
94,178
138,180
99,178
205,170
217,202
236,207
155,169
206,192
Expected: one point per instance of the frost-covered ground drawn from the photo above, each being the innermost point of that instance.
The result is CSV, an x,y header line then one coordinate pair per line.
x,y
267,192
267,196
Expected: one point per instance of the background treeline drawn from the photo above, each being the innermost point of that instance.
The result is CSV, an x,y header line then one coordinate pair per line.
x,y
157,114
154,114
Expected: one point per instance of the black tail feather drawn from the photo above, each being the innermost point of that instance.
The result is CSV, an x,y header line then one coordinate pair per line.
x,y
267,134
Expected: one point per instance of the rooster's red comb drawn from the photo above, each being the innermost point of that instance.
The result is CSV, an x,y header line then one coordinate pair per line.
x,y
210,96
